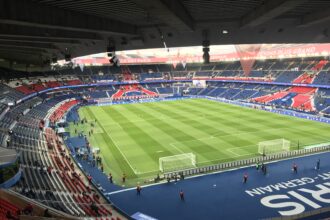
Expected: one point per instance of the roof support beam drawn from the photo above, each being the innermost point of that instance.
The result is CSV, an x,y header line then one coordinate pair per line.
x,y
39,40
316,17
269,10
27,13
45,46
21,54
22,58
6,48
46,33
170,12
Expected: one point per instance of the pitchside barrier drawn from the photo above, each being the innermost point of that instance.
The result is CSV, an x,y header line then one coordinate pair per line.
x,y
246,162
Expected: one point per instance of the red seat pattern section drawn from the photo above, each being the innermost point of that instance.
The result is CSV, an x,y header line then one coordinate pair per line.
x,y
320,65
25,89
148,92
38,87
6,206
308,78
302,101
119,93
74,82
132,88
73,182
305,78
60,111
52,84
300,89
271,97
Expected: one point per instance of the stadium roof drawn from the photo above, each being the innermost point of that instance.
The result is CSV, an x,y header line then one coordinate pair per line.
x,y
217,52
33,31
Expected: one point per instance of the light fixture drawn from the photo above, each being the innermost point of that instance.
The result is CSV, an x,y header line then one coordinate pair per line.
x,y
114,61
206,50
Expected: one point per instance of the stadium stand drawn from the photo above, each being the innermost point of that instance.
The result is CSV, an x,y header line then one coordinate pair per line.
x,y
208,107
49,172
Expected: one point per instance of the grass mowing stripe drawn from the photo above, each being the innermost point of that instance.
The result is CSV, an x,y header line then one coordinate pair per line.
x,y
120,157
214,131
168,129
205,127
156,125
199,146
147,143
302,127
241,120
219,120
270,125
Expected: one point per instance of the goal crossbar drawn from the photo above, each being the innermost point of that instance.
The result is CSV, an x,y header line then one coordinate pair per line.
x,y
177,162
273,146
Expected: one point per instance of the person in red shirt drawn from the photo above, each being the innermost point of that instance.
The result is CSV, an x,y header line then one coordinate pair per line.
x,y
245,178
89,177
49,170
295,168
181,195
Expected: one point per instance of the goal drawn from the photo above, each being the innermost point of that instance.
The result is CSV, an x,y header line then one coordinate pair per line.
x,y
177,162
273,146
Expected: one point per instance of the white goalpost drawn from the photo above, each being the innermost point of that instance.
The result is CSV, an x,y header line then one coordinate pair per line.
x,y
177,162
273,146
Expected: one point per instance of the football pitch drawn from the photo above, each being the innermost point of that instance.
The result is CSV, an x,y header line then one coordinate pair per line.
x,y
132,137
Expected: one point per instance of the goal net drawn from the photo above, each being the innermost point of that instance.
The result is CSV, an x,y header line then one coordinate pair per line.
x,y
177,162
273,146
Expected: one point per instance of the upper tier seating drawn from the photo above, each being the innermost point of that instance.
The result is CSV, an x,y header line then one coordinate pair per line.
x,y
304,78
323,78
288,76
151,76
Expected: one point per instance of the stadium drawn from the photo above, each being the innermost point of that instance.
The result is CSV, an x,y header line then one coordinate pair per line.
x,y
164,109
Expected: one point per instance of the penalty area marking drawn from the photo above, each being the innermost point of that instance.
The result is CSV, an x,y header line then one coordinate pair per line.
x,y
230,150
178,149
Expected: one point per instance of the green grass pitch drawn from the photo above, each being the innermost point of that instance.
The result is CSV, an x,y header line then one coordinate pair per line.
x,y
132,137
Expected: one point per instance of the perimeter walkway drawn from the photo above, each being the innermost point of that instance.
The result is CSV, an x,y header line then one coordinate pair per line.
x,y
225,196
